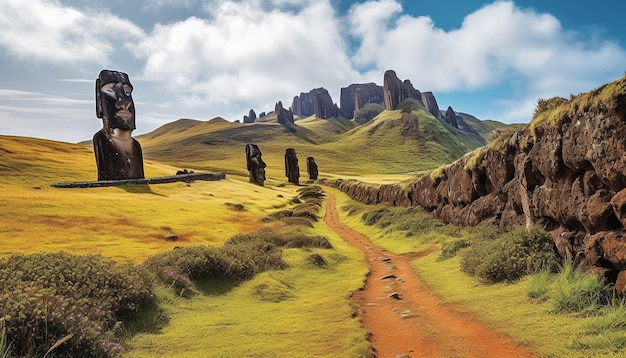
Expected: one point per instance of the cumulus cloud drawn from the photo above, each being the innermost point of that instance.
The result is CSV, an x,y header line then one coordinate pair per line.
x,y
45,31
243,53
233,55
497,44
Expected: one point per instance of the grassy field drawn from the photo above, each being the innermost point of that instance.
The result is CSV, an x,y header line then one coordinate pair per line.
x,y
301,311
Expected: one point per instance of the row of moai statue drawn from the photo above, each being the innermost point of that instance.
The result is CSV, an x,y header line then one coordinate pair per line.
x,y
119,155
256,166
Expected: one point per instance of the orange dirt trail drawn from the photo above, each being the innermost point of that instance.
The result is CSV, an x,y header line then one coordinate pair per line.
x,y
416,324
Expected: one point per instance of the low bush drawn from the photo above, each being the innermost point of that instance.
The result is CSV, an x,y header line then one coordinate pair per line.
x,y
291,238
579,292
409,105
510,256
368,112
309,202
67,303
539,285
241,257
450,249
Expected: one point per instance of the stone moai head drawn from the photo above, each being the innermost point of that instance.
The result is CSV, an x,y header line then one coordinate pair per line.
x,y
118,154
311,168
114,101
255,164
292,170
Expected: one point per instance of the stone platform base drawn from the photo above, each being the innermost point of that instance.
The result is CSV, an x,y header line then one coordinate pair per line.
x,y
187,178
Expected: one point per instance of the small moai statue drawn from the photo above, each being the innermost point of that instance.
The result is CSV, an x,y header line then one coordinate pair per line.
x,y
255,164
311,168
292,170
118,154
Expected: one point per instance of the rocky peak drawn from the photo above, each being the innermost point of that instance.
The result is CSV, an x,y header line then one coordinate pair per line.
x,y
430,104
250,118
395,91
450,117
316,102
355,96
283,116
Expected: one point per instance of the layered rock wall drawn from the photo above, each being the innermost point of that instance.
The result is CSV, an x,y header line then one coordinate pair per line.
x,y
283,116
396,91
355,96
566,172
316,102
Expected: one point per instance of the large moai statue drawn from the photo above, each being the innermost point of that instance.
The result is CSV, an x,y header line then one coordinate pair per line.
x,y
118,154
255,164
311,168
292,170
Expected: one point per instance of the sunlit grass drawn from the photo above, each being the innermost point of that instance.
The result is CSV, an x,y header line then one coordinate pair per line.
x,y
523,309
302,311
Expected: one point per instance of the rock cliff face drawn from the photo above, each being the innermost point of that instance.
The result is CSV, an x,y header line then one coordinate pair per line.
x,y
283,116
450,117
566,172
355,96
317,101
250,118
395,91
430,103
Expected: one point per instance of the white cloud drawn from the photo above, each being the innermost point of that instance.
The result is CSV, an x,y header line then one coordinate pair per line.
x,y
497,44
245,55
45,31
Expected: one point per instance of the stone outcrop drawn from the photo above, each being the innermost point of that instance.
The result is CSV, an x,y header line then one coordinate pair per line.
x,y
396,91
283,116
316,102
355,96
566,172
323,106
450,117
250,118
430,104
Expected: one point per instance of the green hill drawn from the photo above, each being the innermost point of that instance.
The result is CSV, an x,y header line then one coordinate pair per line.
x,y
394,142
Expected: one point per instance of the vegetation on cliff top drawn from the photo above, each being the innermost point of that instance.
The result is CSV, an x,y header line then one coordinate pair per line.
x,y
554,111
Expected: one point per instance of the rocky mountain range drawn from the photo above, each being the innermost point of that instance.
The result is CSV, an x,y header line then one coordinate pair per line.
x,y
318,102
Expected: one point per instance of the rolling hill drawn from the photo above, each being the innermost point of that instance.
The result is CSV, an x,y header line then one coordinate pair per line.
x,y
394,142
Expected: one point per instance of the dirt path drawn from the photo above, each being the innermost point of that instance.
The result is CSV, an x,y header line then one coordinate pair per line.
x,y
414,323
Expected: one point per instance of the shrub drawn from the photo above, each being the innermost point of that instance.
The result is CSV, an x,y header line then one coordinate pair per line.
x,y
538,286
409,105
450,249
371,217
241,257
368,112
71,300
314,191
291,238
579,292
511,256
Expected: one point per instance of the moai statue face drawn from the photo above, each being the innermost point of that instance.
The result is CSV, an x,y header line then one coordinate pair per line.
x,y
114,101
255,164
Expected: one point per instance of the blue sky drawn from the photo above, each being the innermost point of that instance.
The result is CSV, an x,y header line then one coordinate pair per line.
x,y
206,58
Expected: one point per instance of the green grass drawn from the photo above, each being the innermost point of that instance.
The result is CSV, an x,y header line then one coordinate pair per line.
x,y
302,311
340,147
551,112
523,309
